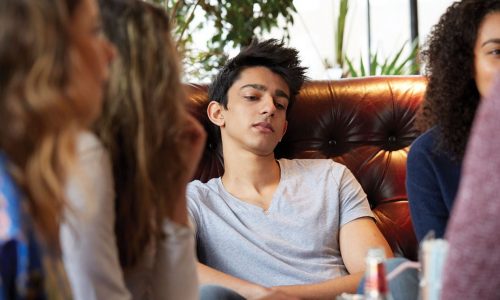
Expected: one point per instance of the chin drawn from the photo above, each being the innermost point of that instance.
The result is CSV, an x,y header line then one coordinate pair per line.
x,y
91,116
264,152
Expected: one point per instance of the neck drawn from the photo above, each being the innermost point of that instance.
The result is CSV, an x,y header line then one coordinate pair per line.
x,y
250,170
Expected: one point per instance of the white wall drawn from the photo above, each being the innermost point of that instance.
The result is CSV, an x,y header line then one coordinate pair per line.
x,y
313,31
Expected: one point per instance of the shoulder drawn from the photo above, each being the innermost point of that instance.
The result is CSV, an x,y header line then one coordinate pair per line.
x,y
202,196
426,142
312,166
89,146
93,158
200,191
424,148
423,151
306,172
90,185
93,162
198,186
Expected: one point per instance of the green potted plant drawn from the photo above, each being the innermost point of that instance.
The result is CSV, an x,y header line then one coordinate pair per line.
x,y
392,65
234,24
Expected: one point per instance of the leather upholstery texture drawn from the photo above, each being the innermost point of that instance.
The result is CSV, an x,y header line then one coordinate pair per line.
x,y
364,123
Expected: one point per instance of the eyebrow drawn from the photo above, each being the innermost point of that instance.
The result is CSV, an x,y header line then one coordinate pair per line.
x,y
493,41
263,88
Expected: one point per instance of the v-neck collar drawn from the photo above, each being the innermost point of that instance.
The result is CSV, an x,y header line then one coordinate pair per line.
x,y
249,206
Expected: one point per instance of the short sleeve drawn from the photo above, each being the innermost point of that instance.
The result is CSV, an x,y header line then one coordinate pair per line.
x,y
353,201
194,195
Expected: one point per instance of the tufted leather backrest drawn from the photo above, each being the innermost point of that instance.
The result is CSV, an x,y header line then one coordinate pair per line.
x,y
364,123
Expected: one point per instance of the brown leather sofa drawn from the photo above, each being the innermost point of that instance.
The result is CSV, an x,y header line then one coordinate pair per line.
x,y
364,123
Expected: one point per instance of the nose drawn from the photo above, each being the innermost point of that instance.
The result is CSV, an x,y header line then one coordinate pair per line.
x,y
268,105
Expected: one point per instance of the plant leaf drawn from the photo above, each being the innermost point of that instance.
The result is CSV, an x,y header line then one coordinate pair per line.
x,y
410,57
352,71
339,41
383,67
362,66
373,64
390,68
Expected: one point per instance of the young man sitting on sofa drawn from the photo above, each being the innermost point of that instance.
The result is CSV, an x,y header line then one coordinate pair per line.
x,y
302,227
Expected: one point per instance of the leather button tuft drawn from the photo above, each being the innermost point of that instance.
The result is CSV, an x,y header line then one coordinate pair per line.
x,y
332,142
392,139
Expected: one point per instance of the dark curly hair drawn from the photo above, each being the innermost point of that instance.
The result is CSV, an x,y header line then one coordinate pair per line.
x,y
452,96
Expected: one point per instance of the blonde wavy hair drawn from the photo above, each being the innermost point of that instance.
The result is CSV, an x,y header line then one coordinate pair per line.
x,y
38,119
141,122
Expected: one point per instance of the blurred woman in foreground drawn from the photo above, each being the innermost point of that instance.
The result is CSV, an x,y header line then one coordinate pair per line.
x,y
53,64
134,240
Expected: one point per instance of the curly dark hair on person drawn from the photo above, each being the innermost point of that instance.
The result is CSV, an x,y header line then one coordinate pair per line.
x,y
452,96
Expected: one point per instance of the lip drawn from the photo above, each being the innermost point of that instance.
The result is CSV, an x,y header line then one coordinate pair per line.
x,y
263,126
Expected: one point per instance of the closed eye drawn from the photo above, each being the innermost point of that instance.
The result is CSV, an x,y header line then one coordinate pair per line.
x,y
251,98
280,106
495,52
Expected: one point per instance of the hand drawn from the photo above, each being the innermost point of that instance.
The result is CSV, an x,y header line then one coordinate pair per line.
x,y
192,142
193,138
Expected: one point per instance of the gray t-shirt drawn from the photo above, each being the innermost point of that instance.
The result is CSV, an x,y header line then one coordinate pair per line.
x,y
296,241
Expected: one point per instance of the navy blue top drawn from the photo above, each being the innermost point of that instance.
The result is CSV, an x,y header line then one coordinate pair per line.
x,y
432,180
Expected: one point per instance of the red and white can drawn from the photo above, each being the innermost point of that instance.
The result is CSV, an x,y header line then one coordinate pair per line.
x,y
376,287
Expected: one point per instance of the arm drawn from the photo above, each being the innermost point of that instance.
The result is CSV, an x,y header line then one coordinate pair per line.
x,y
248,290
174,274
324,290
193,140
427,207
175,264
356,237
87,237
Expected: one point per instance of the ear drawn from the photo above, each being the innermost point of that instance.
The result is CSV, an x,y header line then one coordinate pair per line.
x,y
285,126
214,112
